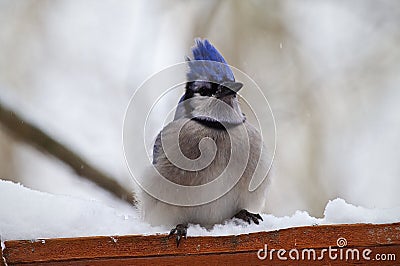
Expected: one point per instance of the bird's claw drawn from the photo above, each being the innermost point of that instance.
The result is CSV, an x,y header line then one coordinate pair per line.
x,y
180,231
248,216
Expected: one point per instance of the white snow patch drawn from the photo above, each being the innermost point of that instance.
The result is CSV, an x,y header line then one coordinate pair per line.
x,y
336,212
29,214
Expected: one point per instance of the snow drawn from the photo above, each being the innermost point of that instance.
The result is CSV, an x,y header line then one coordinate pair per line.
x,y
30,214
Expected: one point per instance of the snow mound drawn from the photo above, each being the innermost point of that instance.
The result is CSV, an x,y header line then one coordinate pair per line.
x,y
29,214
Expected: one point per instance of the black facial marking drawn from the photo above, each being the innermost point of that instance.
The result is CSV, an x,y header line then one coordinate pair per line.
x,y
205,88
209,123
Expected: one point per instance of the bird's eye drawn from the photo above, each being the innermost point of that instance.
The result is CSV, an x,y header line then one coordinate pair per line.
x,y
205,91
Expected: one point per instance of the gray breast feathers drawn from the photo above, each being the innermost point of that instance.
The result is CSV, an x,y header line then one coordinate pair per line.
x,y
196,140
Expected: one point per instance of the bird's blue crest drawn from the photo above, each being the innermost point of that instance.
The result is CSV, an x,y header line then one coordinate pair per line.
x,y
208,70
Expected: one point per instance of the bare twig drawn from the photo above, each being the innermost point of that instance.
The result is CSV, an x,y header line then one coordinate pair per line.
x,y
27,132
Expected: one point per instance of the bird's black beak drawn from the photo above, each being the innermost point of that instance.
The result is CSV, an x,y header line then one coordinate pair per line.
x,y
229,88
234,86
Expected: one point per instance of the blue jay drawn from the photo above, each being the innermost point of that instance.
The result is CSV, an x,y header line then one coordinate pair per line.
x,y
207,82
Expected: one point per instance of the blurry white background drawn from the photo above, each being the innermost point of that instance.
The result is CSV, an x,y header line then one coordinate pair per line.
x,y
330,69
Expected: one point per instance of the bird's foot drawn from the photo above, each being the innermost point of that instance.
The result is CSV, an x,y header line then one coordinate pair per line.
x,y
180,231
248,216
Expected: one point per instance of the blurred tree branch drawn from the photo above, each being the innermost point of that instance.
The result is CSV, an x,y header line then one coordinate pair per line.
x,y
23,130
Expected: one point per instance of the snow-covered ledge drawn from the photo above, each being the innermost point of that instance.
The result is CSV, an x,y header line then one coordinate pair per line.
x,y
41,219
29,214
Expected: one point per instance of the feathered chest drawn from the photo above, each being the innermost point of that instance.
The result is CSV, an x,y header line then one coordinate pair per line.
x,y
190,152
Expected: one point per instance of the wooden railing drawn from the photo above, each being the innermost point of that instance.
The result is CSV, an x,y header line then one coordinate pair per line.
x,y
374,244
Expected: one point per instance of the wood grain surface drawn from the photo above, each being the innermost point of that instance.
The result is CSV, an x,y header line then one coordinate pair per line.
x,y
382,239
